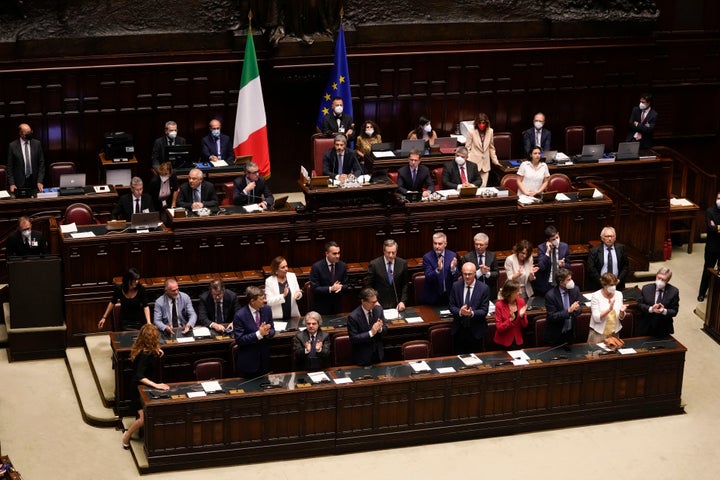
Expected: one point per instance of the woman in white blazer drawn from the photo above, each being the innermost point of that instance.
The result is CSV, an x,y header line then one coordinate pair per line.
x,y
481,146
282,290
607,309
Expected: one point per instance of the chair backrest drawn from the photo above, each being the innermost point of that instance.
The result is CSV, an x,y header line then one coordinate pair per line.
x,y
309,298
320,144
440,340
416,349
229,189
60,168
116,311
540,331
582,327
510,181
80,214
418,284
437,178
559,182
574,139
489,344
3,178
503,145
208,369
628,326
342,350
577,268
393,176
605,134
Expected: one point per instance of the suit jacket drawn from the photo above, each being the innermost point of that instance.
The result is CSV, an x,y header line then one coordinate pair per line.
x,y
366,350
481,153
325,302
491,261
154,191
505,329
208,147
330,126
529,139
596,260
438,284
646,128
253,356
423,180
16,164
158,151
258,194
350,163
389,295
162,314
124,209
275,298
207,195
479,302
451,175
557,314
657,324
16,247
542,276
304,361
207,311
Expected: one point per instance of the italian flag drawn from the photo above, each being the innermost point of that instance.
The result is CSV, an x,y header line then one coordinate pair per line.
x,y
250,124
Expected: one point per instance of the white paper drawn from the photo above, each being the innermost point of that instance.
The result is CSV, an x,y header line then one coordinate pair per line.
x,y
420,366
47,194
318,377
253,208
527,200
561,156
444,312
561,197
280,326
201,332
219,163
196,394
518,354
445,370
69,228
520,362
101,188
342,380
211,386
82,234
185,339
384,154
626,351
391,313
4,194
414,320
681,202
470,359
604,347
363,178
447,192
597,195
491,308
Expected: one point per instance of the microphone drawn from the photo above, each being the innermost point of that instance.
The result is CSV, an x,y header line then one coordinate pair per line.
x,y
559,357
253,379
655,345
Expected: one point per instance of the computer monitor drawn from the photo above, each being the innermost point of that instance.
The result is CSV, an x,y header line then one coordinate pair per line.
x,y
180,156
119,146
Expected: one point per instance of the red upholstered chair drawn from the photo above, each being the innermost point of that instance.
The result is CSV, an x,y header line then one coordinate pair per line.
x,y
503,145
574,139
308,294
60,168
577,268
80,214
416,349
582,327
510,181
320,144
393,176
559,182
342,350
229,189
3,178
437,178
605,134
208,369
441,343
540,332
418,284
628,326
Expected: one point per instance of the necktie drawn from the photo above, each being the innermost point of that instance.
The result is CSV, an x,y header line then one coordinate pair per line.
x,y
463,177
257,318
442,275
218,313
390,273
610,266
27,241
332,272
137,205
196,194
28,163
370,317
659,296
643,115
414,173
467,296
481,261
566,304
174,313
312,352
340,164
553,269
538,136
218,147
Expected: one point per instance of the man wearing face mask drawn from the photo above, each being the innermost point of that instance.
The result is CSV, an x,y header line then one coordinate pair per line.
x,y
641,127
658,305
460,173
338,122
216,146
170,138
481,147
563,308
552,256
26,241
712,245
25,161
538,135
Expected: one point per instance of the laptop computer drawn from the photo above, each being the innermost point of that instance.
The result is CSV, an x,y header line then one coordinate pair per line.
x,y
408,145
549,156
72,184
590,153
143,221
447,145
280,203
628,151
381,147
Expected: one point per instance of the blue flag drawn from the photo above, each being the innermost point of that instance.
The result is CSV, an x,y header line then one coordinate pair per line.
x,y
338,84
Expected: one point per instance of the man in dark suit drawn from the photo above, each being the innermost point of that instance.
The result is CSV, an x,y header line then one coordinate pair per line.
x,y
552,255
216,146
659,304
26,241
441,270
253,326
712,246
469,302
134,202
217,307
197,193
484,261
311,347
538,135
338,122
562,303
415,177
170,138
252,189
608,256
643,118
460,173
388,275
339,161
366,326
25,161
328,280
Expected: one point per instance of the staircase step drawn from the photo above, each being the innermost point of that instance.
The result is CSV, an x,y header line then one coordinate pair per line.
x,y
91,406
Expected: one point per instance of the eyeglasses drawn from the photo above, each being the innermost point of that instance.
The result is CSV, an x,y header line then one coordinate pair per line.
x,y
252,173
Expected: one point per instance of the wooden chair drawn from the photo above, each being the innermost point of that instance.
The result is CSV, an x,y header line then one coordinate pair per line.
x,y
208,369
229,189
441,343
605,134
503,145
510,181
342,350
320,145
559,182
60,168
79,214
415,350
437,178
574,139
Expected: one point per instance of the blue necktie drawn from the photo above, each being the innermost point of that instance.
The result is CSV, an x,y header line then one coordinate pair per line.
x,y
390,273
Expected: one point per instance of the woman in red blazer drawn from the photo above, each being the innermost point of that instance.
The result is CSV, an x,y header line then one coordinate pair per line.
x,y
510,316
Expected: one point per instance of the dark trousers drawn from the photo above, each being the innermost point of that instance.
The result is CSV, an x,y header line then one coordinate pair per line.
x,y
711,260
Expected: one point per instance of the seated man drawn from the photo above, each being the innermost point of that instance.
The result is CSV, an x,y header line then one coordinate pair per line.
x,y
311,347
552,256
460,173
366,326
217,307
339,161
563,308
174,309
538,135
134,202
170,138
415,177
252,189
26,241
338,122
197,193
217,146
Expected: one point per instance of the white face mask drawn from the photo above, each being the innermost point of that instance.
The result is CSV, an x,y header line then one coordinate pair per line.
x,y
338,110
369,132
717,203
643,106
172,134
570,284
660,284
556,242
460,160
611,289
26,233
538,125
427,128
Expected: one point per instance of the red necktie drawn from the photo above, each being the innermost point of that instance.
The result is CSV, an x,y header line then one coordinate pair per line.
x,y
462,174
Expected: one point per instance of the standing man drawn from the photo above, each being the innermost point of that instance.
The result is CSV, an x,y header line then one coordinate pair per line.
x,y
712,245
609,256
252,189
338,122
552,256
642,122
563,308
659,304
388,275
217,307
174,309
197,193
134,202
460,173
25,161
538,135
469,302
484,261
441,270
415,177
253,326
328,279
26,241
216,146
312,346
339,161
366,326
170,139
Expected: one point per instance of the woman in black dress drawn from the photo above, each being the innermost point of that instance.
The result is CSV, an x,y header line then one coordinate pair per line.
x,y
134,309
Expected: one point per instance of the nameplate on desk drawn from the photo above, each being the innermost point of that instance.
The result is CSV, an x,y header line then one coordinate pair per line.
x,y
414,320
196,394
445,370
185,339
101,188
48,194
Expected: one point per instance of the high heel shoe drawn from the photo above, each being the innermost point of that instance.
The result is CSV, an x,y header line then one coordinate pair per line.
x,y
126,446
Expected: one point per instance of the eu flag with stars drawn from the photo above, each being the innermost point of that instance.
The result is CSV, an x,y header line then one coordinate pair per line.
x,y
338,84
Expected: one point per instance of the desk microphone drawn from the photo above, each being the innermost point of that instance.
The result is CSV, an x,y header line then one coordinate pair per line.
x,y
563,345
253,379
654,344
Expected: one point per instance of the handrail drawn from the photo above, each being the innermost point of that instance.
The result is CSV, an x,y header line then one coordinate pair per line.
x,y
704,183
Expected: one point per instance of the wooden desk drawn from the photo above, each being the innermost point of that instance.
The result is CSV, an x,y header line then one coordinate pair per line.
x,y
435,160
338,198
109,167
285,416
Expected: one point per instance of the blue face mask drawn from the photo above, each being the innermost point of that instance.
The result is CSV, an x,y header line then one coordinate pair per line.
x,y
215,132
